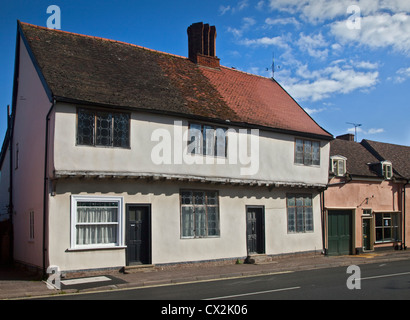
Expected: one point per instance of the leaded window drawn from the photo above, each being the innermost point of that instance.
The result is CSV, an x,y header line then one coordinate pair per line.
x,y
98,128
300,213
207,140
307,152
199,214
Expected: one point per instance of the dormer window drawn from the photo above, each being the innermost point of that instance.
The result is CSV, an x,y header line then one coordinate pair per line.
x,y
387,170
338,165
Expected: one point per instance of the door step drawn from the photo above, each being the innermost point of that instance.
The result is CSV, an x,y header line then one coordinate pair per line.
x,y
257,258
138,268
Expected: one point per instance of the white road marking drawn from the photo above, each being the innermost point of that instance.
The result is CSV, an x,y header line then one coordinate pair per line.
x,y
253,293
84,280
386,276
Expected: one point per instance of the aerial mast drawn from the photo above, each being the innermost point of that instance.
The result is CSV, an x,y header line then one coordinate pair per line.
x,y
356,125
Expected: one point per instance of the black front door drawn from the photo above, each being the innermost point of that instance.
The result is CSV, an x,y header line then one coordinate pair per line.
x,y
255,230
367,244
138,234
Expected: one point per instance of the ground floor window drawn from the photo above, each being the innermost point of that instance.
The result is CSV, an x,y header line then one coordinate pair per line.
x,y
96,221
388,227
199,214
300,213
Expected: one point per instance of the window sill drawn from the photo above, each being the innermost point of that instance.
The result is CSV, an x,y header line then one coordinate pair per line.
x,y
307,165
95,248
192,238
387,241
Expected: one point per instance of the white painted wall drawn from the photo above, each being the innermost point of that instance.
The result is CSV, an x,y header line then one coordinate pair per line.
x,y
275,158
29,134
167,244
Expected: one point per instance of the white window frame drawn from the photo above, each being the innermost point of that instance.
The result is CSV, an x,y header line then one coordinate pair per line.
x,y
367,212
77,198
336,162
387,169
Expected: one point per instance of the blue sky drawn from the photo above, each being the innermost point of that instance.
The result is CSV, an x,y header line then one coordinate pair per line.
x,y
341,65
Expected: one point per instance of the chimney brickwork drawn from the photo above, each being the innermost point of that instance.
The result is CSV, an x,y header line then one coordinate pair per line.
x,y
347,137
201,45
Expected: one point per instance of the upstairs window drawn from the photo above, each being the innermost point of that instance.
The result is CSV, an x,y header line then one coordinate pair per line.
x,y
387,170
307,152
207,140
338,165
100,128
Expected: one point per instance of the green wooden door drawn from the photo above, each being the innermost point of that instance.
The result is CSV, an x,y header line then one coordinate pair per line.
x,y
340,232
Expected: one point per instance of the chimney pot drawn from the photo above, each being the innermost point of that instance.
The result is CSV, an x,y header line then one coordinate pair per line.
x,y
201,45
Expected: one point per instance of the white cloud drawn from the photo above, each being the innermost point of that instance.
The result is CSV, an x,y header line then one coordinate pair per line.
x,y
401,75
322,10
266,41
282,21
366,132
239,7
247,22
260,5
315,46
375,131
321,84
224,9
311,111
366,65
377,31
384,23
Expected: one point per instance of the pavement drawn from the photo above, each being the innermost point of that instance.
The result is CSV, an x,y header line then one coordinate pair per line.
x,y
17,284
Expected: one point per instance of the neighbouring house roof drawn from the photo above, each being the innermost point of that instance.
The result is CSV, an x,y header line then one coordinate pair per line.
x,y
397,154
358,157
90,70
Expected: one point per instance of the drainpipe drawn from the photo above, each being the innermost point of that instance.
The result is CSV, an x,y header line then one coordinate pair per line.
x,y
45,190
322,202
404,215
10,209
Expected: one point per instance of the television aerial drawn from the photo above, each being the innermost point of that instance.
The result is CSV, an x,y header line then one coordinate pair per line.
x,y
356,125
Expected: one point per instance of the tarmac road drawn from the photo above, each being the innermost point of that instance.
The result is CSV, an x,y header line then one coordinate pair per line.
x,y
377,281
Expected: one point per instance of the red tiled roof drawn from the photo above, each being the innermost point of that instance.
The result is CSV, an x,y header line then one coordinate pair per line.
x,y
93,70
261,100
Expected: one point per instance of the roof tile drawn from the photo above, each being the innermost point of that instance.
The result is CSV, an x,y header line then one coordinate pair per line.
x,y
111,73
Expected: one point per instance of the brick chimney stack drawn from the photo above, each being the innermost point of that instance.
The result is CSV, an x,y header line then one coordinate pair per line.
x,y
347,137
201,45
